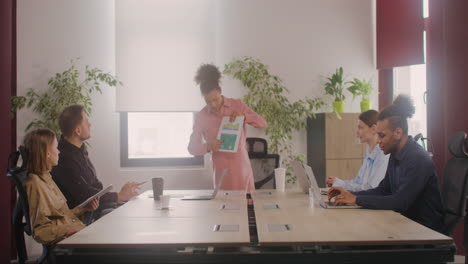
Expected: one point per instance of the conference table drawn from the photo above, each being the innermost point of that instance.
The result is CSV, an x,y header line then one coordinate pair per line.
x,y
266,226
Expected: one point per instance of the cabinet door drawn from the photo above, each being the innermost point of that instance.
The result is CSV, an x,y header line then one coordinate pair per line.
x,y
344,169
340,137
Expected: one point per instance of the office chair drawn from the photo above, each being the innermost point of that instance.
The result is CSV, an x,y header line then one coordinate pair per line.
x,y
257,146
263,164
426,143
21,210
455,183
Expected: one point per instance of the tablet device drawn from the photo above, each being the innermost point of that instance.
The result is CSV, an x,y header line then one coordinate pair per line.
x,y
99,194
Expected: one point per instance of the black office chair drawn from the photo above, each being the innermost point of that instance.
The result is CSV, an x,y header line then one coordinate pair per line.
x,y
455,182
426,143
257,146
263,164
21,210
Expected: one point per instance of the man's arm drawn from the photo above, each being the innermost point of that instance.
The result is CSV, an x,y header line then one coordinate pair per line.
x,y
412,181
382,189
69,178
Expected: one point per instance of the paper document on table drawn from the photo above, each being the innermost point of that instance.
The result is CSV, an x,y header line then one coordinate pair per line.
x,y
230,133
99,194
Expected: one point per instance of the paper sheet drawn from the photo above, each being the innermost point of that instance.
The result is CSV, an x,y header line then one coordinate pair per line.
x,y
230,133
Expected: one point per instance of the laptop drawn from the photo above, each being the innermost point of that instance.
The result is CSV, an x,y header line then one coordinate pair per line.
x,y
302,179
208,197
306,179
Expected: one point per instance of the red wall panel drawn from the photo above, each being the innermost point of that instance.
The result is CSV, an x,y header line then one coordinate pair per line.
x,y
400,27
7,126
447,86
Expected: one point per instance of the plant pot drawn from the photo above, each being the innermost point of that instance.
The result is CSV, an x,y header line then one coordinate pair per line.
x,y
365,105
338,106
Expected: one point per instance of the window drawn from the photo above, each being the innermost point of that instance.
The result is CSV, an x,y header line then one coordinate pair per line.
x,y
156,139
411,80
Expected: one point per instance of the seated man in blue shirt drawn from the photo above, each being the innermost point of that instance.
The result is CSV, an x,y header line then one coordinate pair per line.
x,y
410,186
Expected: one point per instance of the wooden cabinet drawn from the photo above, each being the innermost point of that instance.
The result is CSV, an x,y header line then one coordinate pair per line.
x,y
332,146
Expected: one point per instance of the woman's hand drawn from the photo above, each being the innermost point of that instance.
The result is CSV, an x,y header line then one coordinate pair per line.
x,y
331,181
234,115
213,145
93,205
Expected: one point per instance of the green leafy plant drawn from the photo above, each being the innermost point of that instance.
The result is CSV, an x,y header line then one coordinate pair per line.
x,y
360,87
363,88
266,95
65,89
334,85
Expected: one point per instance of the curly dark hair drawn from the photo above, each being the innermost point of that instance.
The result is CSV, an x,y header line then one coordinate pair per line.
x,y
398,113
208,77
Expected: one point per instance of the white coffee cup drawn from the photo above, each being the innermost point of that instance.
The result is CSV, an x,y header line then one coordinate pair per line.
x,y
164,201
280,179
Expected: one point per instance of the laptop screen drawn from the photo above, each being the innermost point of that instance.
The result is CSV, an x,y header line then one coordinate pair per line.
x,y
220,182
313,182
301,177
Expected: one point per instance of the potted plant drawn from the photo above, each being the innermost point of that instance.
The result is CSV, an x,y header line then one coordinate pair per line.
x,y
364,88
334,87
266,95
65,89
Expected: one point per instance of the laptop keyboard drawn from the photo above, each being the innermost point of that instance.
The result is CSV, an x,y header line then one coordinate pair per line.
x,y
331,205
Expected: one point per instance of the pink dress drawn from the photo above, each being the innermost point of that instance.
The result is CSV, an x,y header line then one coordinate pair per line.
x,y
206,126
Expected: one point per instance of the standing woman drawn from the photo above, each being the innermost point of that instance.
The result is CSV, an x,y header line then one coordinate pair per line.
x,y
206,126
375,161
51,219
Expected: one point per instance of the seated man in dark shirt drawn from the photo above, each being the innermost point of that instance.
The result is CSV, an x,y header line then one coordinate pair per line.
x,y
410,186
75,174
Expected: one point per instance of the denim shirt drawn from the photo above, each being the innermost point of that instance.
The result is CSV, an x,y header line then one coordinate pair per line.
x,y
410,187
371,173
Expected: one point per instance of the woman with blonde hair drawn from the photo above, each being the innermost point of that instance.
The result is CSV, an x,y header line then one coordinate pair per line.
x,y
51,219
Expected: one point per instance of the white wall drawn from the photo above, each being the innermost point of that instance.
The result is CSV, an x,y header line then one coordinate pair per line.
x,y
300,40
50,33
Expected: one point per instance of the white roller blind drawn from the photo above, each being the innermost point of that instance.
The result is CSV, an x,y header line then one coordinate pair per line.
x,y
159,46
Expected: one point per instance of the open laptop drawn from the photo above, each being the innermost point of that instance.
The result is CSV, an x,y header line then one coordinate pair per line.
x,y
304,182
302,178
306,179
215,191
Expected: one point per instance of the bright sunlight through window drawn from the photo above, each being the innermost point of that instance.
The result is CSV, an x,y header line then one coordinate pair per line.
x,y
159,134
